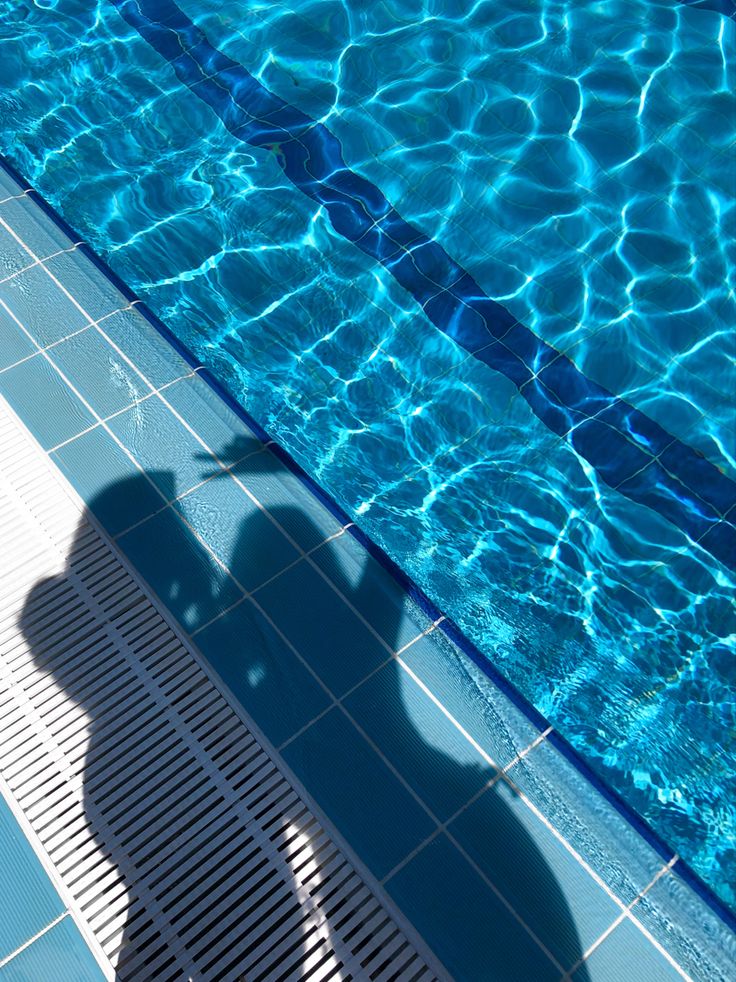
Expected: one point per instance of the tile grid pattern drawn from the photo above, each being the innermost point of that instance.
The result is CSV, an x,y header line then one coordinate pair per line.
x,y
624,908
277,899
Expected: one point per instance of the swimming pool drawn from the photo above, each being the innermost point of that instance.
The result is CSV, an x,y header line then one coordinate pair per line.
x,y
537,162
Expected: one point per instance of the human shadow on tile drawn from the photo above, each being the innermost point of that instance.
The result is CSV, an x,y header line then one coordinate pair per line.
x,y
320,606
179,861
286,651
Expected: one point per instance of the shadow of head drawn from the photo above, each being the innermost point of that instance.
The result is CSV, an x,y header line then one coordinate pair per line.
x,y
53,612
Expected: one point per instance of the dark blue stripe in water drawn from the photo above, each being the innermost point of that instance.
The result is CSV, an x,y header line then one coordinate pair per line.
x,y
725,7
628,450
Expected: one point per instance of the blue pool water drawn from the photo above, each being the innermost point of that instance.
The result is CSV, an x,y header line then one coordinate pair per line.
x,y
490,308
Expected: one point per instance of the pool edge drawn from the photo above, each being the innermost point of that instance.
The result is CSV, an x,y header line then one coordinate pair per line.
x,y
429,608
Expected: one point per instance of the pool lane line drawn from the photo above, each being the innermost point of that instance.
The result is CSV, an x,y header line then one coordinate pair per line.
x,y
444,623
629,451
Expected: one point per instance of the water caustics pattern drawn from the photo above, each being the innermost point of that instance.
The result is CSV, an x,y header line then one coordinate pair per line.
x,y
575,161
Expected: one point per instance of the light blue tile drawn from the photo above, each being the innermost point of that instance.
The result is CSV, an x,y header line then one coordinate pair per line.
x,y
372,590
689,929
305,519
148,351
463,921
41,307
221,429
8,187
262,672
323,629
91,289
44,402
367,803
480,707
626,954
559,901
161,443
431,754
61,953
623,859
28,901
179,569
98,372
13,256
42,236
297,510
237,531
14,344
111,485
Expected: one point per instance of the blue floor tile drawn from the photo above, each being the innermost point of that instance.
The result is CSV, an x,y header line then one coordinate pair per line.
x,y
480,707
689,929
160,443
8,187
179,569
13,257
337,645
42,236
91,289
150,353
98,372
44,402
302,516
464,922
358,793
626,954
429,752
111,485
28,901
223,432
41,307
371,589
14,344
614,849
558,899
237,531
61,953
262,672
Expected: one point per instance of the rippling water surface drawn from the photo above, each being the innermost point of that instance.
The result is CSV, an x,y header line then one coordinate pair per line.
x,y
576,158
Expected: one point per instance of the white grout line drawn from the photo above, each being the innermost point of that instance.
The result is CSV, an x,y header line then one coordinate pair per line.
x,y
29,942
58,341
118,412
353,688
586,866
500,771
14,197
39,262
626,915
573,852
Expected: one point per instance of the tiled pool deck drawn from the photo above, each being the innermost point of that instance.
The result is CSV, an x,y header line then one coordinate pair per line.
x,y
449,793
180,848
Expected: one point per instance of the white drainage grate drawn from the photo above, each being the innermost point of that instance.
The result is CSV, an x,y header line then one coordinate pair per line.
x,y
179,841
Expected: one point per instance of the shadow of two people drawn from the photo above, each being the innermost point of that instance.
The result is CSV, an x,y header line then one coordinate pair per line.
x,y
195,590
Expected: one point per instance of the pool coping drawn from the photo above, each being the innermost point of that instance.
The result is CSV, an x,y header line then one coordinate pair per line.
x,y
448,627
